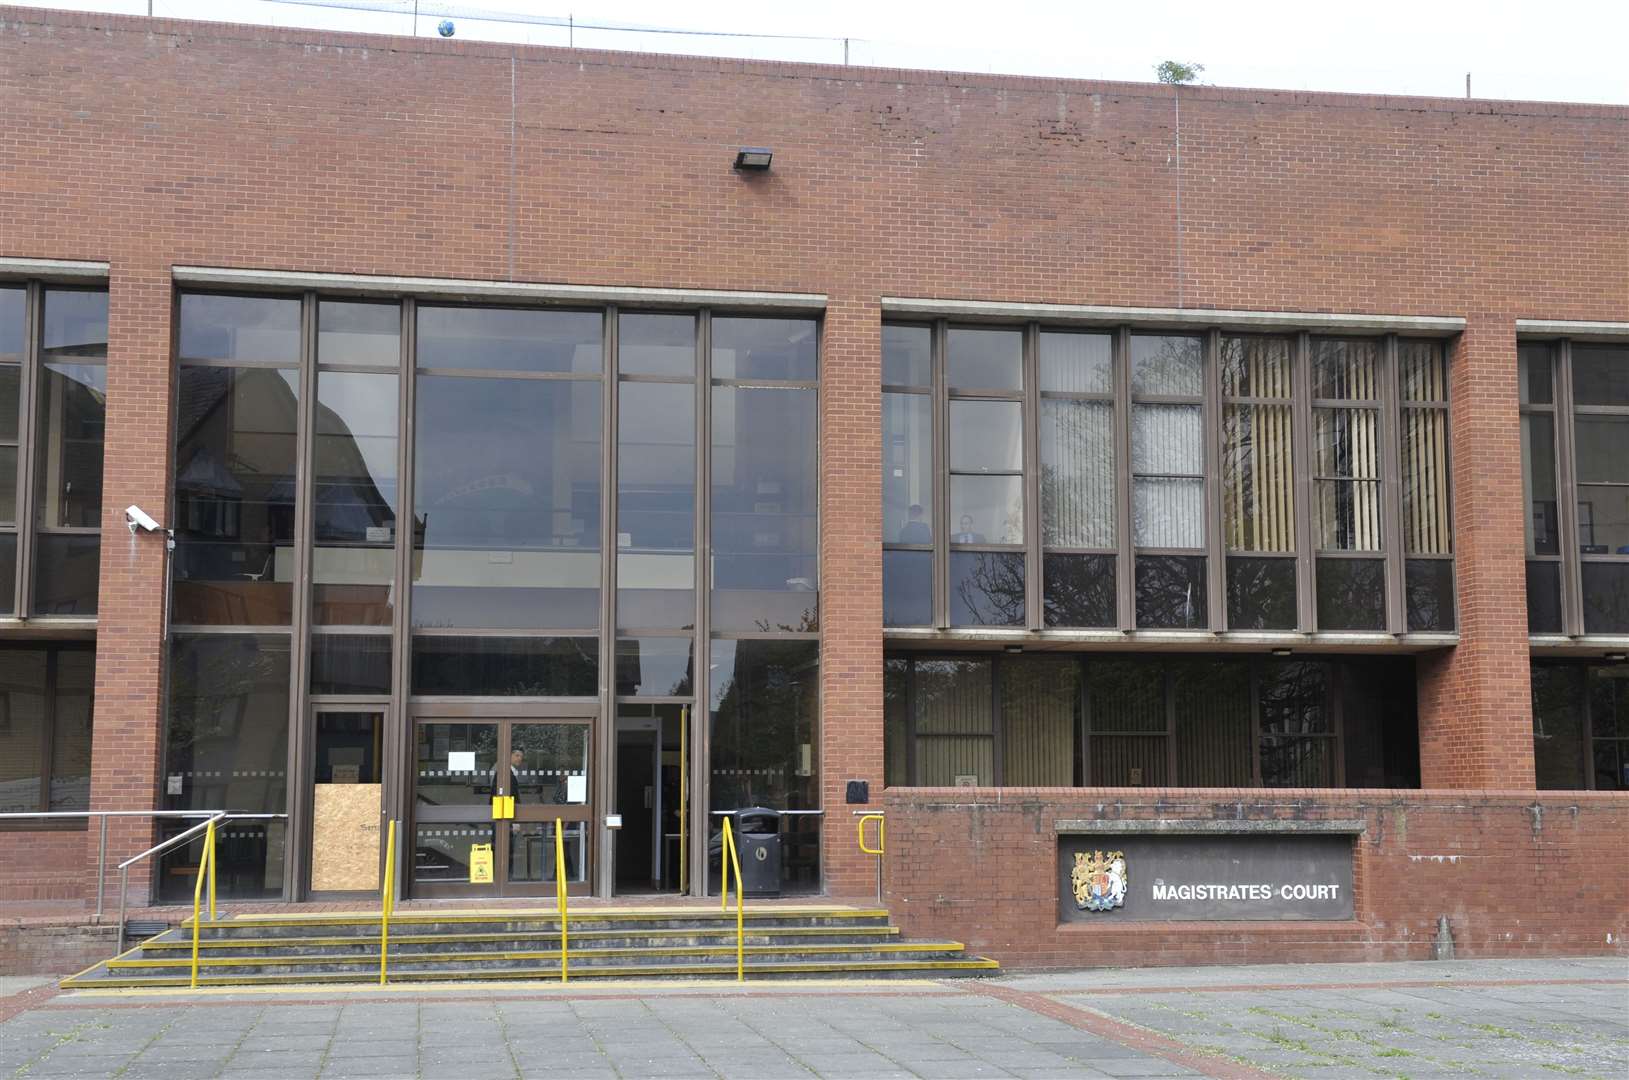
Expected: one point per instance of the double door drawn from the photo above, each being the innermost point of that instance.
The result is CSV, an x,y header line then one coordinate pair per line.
x,y
487,793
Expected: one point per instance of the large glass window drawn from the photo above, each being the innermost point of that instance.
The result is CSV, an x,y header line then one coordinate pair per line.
x,y
985,424
1422,372
58,339
1346,466
1581,724
1168,481
1077,461
45,727
1575,482
1191,721
1258,487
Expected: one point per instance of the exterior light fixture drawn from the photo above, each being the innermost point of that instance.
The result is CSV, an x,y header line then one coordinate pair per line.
x,y
1012,648
1617,657
754,158
1281,652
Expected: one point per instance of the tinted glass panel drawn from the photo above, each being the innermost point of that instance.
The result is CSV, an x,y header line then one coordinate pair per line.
x,y
1040,720
1609,701
12,306
505,667
986,436
1600,375
765,349
10,399
1346,369
984,359
1171,592
764,724
1077,363
1606,597
1429,593
986,588
954,722
1211,700
1077,473
22,737
907,588
355,499
75,324
1080,590
907,355
1351,594
1558,725
234,496
907,468
1534,384
1542,520
8,484
1167,365
765,493
1167,490
507,495
1129,723
72,423
350,664
362,334
71,730
1296,750
1602,443
1261,594
987,509
1256,366
66,572
509,339
227,746
1543,597
654,667
8,573
656,505
240,328
656,345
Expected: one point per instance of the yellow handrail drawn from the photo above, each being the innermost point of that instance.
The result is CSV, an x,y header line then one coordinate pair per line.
x,y
882,838
560,896
729,857
206,869
387,902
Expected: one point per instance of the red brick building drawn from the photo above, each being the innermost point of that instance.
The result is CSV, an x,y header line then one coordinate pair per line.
x,y
1069,463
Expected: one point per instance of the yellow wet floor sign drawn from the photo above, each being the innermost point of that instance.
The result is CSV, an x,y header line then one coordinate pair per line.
x,y
480,864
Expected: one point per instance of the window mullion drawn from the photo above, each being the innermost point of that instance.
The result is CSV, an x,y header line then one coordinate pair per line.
x,y
941,478
1216,577
1031,419
1305,488
33,330
1572,590
298,792
1391,483
1124,563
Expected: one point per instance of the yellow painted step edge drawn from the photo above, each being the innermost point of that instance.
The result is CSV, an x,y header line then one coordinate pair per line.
x,y
552,974
708,914
545,954
514,935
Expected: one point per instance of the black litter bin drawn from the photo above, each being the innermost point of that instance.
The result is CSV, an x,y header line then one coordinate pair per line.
x,y
758,841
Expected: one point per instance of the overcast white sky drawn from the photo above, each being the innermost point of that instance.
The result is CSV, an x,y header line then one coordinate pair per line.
x,y
1550,50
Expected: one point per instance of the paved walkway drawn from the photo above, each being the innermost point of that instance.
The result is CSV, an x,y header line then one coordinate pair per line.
x,y
1470,1019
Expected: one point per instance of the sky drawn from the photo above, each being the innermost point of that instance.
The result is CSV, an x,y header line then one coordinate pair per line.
x,y
1544,50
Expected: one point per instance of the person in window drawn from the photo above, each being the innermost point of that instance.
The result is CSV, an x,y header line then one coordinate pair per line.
x,y
517,773
916,530
964,532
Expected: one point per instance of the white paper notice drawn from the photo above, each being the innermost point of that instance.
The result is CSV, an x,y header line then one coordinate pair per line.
x,y
460,761
173,786
576,789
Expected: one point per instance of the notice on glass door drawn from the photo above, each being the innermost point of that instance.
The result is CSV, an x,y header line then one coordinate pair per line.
x,y
460,761
576,789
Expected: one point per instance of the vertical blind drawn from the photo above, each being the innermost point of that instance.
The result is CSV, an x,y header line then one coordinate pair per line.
x,y
1424,377
1257,488
1346,445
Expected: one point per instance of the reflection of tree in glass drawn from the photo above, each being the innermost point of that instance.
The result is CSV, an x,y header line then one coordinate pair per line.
x,y
763,712
993,592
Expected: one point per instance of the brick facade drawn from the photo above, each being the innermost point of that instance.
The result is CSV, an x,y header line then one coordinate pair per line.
x,y
219,145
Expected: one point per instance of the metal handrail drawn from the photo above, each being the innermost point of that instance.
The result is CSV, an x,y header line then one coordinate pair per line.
x,y
387,901
206,867
882,841
215,817
728,856
101,845
560,896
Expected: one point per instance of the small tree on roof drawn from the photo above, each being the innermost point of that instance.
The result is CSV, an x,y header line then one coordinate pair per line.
x,y
1175,72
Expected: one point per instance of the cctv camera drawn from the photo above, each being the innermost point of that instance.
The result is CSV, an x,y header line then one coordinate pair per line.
x,y
135,516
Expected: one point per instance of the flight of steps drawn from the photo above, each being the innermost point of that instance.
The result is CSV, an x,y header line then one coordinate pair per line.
x,y
484,946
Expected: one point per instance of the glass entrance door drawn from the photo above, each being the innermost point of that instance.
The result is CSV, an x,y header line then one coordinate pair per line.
x,y
486,797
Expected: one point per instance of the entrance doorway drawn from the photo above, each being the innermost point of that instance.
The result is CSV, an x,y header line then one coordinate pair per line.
x,y
347,748
650,798
486,796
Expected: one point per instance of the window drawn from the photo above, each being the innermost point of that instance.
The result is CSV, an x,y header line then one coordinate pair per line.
x,y
1575,485
53,416
1190,721
45,728
1581,724
1058,478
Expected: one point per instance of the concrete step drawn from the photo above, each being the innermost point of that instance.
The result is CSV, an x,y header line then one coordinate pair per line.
x,y
176,942
361,924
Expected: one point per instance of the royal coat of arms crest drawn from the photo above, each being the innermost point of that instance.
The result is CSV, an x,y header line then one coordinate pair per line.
x,y
1099,880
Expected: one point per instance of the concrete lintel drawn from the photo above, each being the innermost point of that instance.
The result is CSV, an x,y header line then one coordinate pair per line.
x,y
1207,826
1611,331
1180,317
221,277
55,269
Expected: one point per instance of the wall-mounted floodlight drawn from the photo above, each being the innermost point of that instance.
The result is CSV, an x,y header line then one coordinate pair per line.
x,y
1281,651
754,158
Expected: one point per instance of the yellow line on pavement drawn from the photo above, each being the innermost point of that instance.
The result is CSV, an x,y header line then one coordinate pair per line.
x,y
619,987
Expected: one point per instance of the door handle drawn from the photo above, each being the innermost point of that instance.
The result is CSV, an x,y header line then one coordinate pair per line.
x,y
503,807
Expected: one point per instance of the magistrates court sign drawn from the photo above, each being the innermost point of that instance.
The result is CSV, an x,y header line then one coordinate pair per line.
x,y
1259,876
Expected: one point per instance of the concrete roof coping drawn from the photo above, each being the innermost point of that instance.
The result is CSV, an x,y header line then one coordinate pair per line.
x,y
61,269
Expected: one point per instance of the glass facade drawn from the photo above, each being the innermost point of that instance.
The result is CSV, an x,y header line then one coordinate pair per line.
x,y
1581,724
1170,721
45,727
402,508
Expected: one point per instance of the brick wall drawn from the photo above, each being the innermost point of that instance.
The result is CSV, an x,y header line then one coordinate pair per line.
x,y
28,948
213,144
1517,874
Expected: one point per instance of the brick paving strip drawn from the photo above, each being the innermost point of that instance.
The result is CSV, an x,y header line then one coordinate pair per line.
x,y
33,998
1387,984
1128,1035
